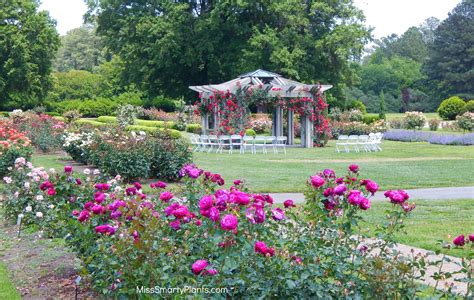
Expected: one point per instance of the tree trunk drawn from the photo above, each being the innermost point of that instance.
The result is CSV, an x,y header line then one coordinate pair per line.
x,y
405,99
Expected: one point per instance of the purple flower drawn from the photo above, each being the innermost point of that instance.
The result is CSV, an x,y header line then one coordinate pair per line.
x,y
354,168
340,189
99,197
240,198
459,241
278,214
371,187
206,202
364,203
105,229
198,266
328,173
68,169
354,197
289,203
166,196
214,214
229,222
176,224
317,181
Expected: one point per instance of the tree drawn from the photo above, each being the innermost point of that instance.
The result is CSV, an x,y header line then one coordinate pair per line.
x,y
451,56
168,45
28,43
382,106
81,49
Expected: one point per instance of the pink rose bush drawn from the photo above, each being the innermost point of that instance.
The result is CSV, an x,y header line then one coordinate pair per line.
x,y
203,233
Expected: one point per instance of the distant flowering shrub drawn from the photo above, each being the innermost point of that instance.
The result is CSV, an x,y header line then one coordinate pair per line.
x,y
127,114
356,128
466,121
433,124
414,120
13,144
203,234
431,137
260,123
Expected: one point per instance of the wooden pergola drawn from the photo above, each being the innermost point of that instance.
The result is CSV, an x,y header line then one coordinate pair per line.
x,y
275,86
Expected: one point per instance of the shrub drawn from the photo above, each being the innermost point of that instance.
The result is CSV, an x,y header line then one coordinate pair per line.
x,y
469,107
250,132
162,103
353,115
206,236
194,128
52,114
397,123
152,123
13,144
369,119
414,120
357,105
450,108
72,115
88,122
127,114
335,113
44,131
160,115
434,124
261,123
107,119
466,121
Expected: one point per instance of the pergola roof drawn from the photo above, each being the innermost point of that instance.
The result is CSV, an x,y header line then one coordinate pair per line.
x,y
273,83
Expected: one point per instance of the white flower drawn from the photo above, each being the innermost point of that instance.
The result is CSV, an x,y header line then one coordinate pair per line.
x,y
20,161
87,171
39,197
96,172
26,185
39,214
142,133
117,189
8,180
51,206
20,216
52,170
118,177
28,208
16,194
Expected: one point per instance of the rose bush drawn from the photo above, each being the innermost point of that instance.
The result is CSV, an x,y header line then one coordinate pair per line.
x,y
202,234
13,144
414,120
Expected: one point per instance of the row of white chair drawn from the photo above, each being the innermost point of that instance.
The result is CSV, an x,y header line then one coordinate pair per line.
x,y
367,143
236,142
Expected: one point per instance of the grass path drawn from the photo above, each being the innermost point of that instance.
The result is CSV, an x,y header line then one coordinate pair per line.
x,y
7,290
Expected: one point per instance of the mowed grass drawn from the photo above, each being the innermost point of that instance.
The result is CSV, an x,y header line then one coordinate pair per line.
x,y
7,290
399,165
430,222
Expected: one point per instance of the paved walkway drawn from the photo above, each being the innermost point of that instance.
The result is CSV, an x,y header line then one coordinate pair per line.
x,y
417,194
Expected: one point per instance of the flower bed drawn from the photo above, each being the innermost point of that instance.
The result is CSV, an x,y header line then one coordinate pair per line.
x,y
431,137
13,144
132,155
207,236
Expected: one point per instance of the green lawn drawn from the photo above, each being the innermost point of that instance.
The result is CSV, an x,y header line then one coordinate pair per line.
x,y
399,165
431,221
391,116
7,290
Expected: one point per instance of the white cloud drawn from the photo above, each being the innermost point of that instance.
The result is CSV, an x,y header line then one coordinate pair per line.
x,y
396,16
67,13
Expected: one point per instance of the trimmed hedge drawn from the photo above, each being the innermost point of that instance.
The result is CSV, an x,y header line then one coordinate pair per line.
x,y
107,119
152,130
150,123
92,123
450,108
194,128
369,119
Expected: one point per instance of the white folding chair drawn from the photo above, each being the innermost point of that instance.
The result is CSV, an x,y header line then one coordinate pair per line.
x,y
363,142
194,142
260,142
204,141
248,141
378,140
352,140
342,142
224,140
235,142
213,142
280,142
270,143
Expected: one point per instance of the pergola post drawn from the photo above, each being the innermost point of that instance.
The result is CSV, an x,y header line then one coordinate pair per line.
x,y
204,123
277,128
308,129
291,127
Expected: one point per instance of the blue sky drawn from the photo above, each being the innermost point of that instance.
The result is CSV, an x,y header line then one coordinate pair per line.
x,y
387,16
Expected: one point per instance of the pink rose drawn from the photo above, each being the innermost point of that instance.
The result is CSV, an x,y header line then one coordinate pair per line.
x,y
237,182
328,173
278,214
198,266
166,196
289,203
214,214
317,181
98,209
137,185
212,272
459,241
354,168
83,216
51,191
206,202
240,198
68,169
180,212
75,213
260,247
229,222
176,224
364,203
354,197
328,192
340,189
371,187
105,229
99,197
471,238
